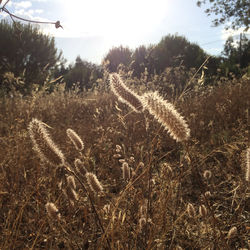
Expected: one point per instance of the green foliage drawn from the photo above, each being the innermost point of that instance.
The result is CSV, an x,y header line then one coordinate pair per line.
x,y
82,75
235,11
236,55
117,56
174,50
26,52
171,51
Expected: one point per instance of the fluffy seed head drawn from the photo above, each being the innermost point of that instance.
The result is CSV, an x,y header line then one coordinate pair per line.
x,y
71,194
118,148
75,139
143,209
141,164
43,144
191,210
117,156
125,171
52,210
124,93
71,182
207,174
208,194
232,232
178,247
165,113
94,183
248,164
142,223
121,160
203,211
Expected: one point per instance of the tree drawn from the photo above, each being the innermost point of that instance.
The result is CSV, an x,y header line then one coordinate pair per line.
x,y
235,11
236,54
117,56
173,51
81,75
25,51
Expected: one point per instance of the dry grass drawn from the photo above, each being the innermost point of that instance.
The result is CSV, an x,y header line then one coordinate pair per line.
x,y
149,210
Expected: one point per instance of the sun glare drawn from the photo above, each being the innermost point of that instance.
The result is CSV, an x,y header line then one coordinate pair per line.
x,y
115,20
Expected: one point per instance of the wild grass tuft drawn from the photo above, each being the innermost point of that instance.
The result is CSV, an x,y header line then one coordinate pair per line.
x,y
169,199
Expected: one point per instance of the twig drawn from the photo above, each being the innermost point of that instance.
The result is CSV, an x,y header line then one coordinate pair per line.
x,y
57,23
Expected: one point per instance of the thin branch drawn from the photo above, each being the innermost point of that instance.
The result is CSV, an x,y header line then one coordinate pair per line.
x,y
57,23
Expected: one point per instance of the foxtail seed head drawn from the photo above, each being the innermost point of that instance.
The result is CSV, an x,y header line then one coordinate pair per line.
x,y
71,182
232,233
191,210
52,210
207,174
71,194
203,211
43,144
76,140
124,93
125,171
94,183
165,113
142,223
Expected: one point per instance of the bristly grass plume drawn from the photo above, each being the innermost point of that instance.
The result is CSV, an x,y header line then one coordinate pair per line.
x,y
124,93
43,144
76,140
166,114
52,210
94,183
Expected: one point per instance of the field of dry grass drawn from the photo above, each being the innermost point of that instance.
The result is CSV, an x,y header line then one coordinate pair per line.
x,y
179,195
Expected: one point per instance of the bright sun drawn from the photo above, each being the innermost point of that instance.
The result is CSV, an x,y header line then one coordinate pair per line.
x,y
116,20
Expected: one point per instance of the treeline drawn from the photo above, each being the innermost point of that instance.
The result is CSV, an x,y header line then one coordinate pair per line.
x,y
29,59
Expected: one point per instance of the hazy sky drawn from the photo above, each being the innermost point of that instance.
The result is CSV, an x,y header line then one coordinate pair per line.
x,y
92,27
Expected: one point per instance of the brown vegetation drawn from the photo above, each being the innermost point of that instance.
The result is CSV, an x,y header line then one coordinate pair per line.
x,y
150,208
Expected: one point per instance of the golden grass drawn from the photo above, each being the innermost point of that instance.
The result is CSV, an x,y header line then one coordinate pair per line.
x,y
150,209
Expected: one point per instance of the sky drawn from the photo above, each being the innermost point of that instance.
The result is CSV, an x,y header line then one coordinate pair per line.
x,y
92,27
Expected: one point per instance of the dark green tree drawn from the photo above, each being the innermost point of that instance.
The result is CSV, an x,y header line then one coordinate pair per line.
x,y
236,54
25,51
117,56
173,51
82,75
235,11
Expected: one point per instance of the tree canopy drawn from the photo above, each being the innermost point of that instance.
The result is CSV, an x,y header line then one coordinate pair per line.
x,y
235,11
25,51
171,51
81,75
116,56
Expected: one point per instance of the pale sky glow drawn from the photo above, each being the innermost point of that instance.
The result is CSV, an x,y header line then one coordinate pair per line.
x,y
92,27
